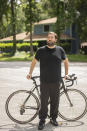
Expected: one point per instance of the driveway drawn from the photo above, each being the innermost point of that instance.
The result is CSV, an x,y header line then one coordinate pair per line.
x,y
13,77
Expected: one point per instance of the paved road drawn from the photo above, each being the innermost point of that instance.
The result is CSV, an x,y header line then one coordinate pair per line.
x,y
13,77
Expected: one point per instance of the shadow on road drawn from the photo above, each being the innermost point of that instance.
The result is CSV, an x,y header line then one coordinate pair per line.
x,y
33,127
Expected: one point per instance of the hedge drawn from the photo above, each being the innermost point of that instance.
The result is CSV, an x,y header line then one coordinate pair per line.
x,y
66,47
8,47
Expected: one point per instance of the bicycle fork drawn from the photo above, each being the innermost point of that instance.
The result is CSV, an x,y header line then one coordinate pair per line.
x,y
68,98
67,95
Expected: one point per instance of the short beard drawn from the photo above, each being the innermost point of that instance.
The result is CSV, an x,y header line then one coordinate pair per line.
x,y
50,44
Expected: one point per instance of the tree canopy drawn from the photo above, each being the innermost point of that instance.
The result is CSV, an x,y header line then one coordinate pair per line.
x,y
66,11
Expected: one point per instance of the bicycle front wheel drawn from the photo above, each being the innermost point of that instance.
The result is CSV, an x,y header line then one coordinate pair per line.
x,y
22,106
73,105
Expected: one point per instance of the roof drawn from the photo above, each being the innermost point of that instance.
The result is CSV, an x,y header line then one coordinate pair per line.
x,y
44,37
19,36
47,21
36,37
26,37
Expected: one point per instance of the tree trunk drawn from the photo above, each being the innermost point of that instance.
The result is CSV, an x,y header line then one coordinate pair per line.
x,y
31,46
58,23
13,26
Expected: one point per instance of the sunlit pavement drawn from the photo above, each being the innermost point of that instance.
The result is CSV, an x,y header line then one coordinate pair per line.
x,y
13,77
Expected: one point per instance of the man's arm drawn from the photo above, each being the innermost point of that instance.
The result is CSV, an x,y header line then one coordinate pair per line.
x,y
31,68
66,67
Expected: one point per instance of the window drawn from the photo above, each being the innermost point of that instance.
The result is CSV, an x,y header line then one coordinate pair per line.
x,y
46,28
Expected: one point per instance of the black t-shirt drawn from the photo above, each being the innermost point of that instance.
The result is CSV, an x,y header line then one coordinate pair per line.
x,y
50,63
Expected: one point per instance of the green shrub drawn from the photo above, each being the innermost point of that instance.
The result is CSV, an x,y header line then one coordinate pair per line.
x,y
8,47
66,47
26,46
23,47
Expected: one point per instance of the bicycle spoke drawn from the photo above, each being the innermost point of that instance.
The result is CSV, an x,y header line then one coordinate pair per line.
x,y
68,99
69,108
19,110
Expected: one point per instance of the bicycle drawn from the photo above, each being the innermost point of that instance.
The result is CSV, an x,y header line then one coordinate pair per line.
x,y
22,106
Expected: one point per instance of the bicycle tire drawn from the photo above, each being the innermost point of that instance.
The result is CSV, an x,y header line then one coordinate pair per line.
x,y
66,115
11,112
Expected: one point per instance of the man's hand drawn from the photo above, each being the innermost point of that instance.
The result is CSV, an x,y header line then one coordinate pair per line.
x,y
29,76
66,77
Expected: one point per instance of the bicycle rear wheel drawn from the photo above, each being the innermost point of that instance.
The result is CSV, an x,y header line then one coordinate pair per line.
x,y
18,111
74,109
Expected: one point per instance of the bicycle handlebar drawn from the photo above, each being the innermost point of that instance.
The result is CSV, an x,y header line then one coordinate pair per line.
x,y
35,77
71,78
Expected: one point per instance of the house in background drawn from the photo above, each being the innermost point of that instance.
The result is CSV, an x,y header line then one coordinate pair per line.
x,y
42,28
40,32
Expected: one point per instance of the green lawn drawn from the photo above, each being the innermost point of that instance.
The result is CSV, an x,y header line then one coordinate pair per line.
x,y
19,56
26,57
77,58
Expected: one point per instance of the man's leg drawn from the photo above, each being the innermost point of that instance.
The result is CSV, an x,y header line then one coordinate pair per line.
x,y
54,99
44,105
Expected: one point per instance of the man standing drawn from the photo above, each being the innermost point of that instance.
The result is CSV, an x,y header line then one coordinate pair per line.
x,y
50,57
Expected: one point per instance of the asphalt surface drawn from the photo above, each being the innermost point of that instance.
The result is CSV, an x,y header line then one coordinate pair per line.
x,y
13,77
